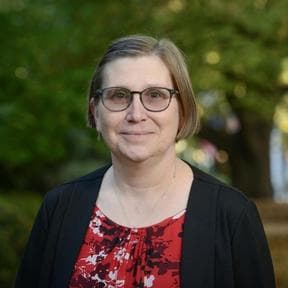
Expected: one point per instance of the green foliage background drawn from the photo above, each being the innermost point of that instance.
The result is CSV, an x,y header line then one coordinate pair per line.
x,y
16,217
50,48
235,50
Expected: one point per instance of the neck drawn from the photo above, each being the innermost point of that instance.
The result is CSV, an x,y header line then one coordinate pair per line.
x,y
144,177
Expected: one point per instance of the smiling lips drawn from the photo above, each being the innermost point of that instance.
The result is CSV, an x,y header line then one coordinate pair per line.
x,y
135,134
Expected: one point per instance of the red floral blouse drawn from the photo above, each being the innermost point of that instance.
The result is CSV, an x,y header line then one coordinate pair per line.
x,y
115,256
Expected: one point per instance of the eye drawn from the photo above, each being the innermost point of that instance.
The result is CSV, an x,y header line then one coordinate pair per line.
x,y
116,94
155,93
120,94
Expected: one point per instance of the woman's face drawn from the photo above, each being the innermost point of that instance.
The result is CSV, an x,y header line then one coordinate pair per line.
x,y
137,134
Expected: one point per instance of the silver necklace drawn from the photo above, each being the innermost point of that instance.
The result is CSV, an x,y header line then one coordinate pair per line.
x,y
151,211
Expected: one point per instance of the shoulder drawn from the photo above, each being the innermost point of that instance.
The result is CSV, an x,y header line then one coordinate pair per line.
x,y
63,192
232,209
229,202
226,193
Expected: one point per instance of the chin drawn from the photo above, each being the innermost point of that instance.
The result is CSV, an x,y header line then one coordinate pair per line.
x,y
134,155
137,158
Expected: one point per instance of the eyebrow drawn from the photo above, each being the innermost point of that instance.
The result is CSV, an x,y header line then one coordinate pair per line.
x,y
145,87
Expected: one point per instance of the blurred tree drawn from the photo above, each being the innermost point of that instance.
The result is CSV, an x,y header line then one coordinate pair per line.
x,y
242,46
49,50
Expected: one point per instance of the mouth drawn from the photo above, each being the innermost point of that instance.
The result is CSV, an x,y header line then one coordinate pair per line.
x,y
136,133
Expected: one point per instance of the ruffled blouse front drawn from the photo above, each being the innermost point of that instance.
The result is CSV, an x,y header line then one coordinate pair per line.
x,y
116,256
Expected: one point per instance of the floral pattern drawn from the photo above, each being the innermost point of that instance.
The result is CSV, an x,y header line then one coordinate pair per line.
x,y
113,256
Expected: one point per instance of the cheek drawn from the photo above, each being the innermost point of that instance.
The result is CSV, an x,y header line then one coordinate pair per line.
x,y
171,125
106,124
101,119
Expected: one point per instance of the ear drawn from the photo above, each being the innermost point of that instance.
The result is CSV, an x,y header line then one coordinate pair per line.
x,y
94,110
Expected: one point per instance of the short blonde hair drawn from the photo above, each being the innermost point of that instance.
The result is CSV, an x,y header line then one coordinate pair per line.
x,y
166,50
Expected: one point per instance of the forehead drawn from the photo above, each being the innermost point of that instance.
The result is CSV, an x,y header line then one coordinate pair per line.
x,y
137,72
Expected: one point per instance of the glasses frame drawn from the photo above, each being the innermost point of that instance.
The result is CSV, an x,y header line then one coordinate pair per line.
x,y
99,93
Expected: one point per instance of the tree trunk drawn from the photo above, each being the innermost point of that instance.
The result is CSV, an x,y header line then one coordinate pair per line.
x,y
248,155
250,159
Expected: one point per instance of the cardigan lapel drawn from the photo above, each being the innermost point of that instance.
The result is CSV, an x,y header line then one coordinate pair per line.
x,y
197,263
74,227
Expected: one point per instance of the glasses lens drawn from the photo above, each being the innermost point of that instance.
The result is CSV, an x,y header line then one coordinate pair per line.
x,y
156,99
116,99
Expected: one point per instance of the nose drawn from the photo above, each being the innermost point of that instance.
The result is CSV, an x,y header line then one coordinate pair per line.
x,y
136,111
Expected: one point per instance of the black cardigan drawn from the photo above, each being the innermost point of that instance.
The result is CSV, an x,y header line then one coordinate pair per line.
x,y
224,245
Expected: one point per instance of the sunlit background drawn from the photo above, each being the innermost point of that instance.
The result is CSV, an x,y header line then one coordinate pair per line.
x,y
237,53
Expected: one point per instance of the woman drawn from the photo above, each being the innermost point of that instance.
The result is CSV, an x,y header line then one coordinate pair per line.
x,y
149,219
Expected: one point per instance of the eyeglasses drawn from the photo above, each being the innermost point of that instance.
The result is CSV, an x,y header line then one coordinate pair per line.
x,y
153,99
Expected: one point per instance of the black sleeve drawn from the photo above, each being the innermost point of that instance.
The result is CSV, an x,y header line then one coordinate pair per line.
x,y
31,267
252,262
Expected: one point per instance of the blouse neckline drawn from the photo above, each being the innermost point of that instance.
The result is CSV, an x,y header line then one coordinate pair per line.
x,y
166,221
